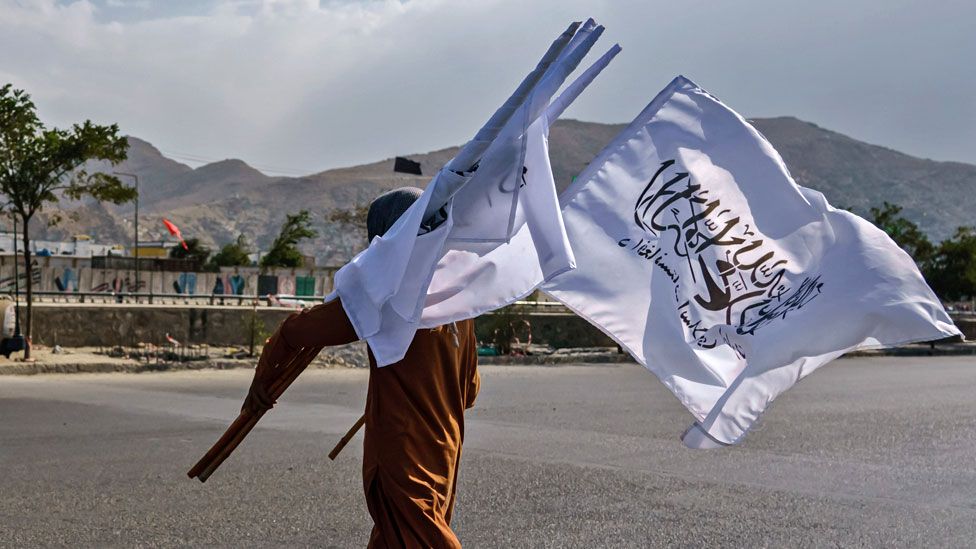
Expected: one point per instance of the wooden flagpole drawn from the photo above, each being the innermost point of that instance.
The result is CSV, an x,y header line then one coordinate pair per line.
x,y
246,421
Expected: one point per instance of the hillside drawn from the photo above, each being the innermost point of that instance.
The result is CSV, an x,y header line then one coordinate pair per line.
x,y
939,196
217,201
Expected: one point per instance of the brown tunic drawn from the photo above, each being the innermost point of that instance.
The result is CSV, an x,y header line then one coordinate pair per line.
x,y
414,423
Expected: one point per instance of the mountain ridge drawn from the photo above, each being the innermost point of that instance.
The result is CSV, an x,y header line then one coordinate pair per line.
x,y
217,201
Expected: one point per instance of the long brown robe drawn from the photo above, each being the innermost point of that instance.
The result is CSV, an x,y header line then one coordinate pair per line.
x,y
414,423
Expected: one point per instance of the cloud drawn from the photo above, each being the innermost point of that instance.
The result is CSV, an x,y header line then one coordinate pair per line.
x,y
139,4
232,75
305,85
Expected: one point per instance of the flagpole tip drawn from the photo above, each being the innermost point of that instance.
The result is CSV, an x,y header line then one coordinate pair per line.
x,y
697,438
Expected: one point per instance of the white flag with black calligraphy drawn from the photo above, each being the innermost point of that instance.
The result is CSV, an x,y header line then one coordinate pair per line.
x,y
700,255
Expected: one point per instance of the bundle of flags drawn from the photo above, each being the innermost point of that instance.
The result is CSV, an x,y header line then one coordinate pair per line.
x,y
487,230
685,240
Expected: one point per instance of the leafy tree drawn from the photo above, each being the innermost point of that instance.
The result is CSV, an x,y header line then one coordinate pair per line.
x,y
39,165
952,270
234,254
284,251
194,251
905,233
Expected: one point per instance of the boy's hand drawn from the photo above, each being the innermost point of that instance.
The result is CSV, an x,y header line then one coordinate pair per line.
x,y
276,351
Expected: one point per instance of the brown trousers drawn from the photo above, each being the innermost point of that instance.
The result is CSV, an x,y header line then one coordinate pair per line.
x,y
414,425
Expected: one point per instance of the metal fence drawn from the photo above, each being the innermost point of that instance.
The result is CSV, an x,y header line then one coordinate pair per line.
x,y
146,298
223,300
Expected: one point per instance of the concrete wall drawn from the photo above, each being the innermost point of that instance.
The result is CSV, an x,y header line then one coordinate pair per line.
x,y
966,325
126,324
108,325
560,330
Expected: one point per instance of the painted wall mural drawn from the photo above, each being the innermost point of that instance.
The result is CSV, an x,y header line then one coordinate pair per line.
x,y
63,275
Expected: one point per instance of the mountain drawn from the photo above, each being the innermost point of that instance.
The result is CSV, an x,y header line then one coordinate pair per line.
x,y
155,171
218,201
939,196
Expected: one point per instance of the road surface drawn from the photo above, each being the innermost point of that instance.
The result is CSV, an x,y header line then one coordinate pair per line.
x,y
866,452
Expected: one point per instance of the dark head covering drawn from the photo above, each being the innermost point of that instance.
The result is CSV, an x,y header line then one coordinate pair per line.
x,y
387,208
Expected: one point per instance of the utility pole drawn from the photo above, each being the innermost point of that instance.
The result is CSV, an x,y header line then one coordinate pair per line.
x,y
135,242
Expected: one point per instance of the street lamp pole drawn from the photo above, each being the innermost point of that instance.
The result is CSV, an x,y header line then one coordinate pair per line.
x,y
135,243
16,342
17,334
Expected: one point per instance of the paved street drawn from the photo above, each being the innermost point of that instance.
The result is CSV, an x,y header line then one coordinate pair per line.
x,y
866,452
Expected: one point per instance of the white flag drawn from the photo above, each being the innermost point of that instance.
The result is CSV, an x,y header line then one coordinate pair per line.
x,y
700,255
502,234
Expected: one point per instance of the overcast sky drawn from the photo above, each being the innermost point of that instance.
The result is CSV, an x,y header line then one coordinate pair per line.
x,y
298,86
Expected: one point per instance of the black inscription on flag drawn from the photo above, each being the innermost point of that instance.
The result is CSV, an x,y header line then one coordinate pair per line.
x,y
732,268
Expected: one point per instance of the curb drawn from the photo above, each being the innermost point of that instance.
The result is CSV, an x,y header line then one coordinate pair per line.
x,y
133,367
556,360
36,368
923,349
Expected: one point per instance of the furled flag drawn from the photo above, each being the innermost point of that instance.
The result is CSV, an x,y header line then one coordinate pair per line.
x,y
488,263
700,255
436,264
175,231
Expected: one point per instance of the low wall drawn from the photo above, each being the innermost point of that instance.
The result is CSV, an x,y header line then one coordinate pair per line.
x,y
109,325
966,325
560,330
76,325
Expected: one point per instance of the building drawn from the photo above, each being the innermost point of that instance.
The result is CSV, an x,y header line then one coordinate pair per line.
x,y
80,245
155,249
83,266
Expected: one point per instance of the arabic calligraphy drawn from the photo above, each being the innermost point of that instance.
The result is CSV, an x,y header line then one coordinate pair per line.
x,y
736,281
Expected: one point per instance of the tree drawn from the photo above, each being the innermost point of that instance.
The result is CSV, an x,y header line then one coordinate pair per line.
x,y
354,217
284,251
905,233
39,165
234,254
194,251
952,270
352,234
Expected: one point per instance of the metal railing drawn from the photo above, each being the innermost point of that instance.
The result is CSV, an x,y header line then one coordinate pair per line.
x,y
221,300
147,298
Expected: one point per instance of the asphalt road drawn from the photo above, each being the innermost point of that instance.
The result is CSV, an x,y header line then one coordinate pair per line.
x,y
867,452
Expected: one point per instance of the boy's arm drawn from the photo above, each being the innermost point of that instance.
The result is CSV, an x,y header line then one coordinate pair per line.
x,y
324,325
